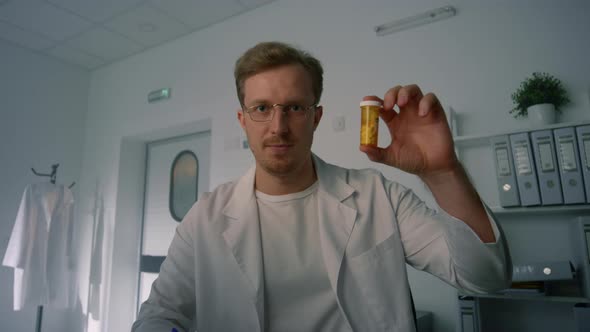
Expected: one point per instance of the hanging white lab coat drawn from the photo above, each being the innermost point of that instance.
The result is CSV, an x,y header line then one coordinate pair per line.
x,y
96,260
40,248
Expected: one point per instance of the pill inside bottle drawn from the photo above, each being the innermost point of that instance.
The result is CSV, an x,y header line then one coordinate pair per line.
x,y
370,122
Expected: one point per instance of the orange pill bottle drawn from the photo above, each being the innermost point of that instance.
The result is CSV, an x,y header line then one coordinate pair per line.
x,y
370,122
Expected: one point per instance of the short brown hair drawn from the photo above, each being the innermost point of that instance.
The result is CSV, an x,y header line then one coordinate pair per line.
x,y
267,55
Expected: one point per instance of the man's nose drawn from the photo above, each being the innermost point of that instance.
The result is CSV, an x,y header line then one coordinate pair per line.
x,y
280,121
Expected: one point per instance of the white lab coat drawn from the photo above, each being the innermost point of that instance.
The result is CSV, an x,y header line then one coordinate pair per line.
x,y
40,248
95,280
369,228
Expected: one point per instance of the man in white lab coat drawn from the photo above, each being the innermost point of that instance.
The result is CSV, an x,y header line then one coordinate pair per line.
x,y
297,244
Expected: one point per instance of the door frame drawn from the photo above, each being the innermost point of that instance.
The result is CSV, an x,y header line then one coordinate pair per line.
x,y
156,261
121,271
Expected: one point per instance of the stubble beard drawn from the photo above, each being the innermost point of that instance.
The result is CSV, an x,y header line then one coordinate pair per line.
x,y
280,165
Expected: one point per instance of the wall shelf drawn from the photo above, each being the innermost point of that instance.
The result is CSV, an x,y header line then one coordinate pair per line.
x,y
562,210
546,222
545,298
468,141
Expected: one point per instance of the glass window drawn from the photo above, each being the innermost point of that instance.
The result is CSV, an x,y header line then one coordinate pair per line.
x,y
183,184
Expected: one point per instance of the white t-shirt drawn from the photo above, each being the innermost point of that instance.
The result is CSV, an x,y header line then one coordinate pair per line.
x,y
298,294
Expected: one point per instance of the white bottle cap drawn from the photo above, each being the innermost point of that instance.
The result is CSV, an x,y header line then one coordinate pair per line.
x,y
371,103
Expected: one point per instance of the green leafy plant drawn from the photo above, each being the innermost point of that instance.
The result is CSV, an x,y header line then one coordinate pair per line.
x,y
541,88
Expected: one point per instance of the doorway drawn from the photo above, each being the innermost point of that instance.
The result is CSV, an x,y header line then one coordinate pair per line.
x,y
177,173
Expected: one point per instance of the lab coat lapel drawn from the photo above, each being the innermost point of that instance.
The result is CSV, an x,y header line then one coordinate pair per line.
x,y
336,220
242,236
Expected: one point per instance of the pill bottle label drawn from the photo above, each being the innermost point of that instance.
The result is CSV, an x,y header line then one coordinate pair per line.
x,y
370,123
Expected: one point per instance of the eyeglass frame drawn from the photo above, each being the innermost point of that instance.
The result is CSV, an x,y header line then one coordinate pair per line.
x,y
250,109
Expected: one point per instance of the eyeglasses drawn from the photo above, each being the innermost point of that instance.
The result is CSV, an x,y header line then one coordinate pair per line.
x,y
264,113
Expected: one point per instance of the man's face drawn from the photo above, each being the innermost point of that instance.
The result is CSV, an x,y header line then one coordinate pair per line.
x,y
281,146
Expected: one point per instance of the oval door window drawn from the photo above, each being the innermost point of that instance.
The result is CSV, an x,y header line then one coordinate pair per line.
x,y
184,184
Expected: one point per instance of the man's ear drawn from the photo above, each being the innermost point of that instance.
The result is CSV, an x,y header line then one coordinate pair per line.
x,y
242,119
317,116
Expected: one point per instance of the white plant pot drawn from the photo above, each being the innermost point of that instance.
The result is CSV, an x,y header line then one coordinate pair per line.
x,y
542,115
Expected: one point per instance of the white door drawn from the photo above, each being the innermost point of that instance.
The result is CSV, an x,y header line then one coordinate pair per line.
x,y
177,173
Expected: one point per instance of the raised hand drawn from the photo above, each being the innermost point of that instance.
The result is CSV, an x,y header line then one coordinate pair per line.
x,y
421,141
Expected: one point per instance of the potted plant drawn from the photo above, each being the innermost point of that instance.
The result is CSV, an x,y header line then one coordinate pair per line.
x,y
539,98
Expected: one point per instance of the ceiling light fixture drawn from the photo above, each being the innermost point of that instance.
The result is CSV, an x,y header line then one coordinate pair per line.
x,y
416,20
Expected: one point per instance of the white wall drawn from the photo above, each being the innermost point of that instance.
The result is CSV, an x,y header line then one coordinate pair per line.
x,y
472,61
42,116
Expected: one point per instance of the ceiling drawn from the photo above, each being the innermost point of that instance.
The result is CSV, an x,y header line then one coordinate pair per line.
x,y
92,33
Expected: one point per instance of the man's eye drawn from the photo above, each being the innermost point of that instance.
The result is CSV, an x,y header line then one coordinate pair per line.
x,y
261,108
295,108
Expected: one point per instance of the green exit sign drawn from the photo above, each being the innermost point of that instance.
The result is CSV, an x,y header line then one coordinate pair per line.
x,y
158,95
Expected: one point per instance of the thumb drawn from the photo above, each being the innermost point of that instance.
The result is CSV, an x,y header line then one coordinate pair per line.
x,y
375,154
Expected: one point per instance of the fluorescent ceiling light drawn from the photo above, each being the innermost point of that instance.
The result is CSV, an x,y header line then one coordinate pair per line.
x,y
416,20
